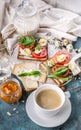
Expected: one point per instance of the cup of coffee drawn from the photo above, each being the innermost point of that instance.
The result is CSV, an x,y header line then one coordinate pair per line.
x,y
49,100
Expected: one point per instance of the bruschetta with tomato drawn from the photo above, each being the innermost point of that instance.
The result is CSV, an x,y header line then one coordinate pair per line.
x,y
30,48
57,67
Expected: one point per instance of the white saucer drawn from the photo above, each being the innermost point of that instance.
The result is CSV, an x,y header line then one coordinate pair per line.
x,y
54,121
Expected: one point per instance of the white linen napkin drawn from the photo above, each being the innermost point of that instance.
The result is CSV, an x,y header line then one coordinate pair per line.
x,y
2,8
46,32
74,6
63,21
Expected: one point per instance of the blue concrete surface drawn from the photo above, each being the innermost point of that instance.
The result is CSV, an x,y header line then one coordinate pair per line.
x,y
20,121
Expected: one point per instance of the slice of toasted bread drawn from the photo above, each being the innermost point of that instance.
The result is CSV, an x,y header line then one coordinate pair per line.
x,y
42,78
43,68
23,57
58,82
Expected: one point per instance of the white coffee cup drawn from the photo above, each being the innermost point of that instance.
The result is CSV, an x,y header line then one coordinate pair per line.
x,y
48,112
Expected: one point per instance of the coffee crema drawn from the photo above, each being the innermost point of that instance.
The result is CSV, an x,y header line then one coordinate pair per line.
x,y
49,99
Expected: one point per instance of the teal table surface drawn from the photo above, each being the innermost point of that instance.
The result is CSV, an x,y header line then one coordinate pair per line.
x,y
19,120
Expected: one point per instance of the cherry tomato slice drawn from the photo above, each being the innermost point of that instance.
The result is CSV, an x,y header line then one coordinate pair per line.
x,y
22,46
43,54
65,74
60,53
30,47
54,68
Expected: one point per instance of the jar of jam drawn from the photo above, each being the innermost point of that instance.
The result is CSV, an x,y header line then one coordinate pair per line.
x,y
10,91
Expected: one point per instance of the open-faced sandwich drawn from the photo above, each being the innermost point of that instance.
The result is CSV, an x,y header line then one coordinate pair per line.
x,y
29,74
32,48
60,68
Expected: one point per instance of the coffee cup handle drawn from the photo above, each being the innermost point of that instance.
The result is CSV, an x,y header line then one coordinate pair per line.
x,y
67,94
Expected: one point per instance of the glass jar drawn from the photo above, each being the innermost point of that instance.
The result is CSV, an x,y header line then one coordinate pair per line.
x,y
26,19
5,66
10,91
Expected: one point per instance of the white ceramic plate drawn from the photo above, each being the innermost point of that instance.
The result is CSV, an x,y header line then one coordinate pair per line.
x,y
54,121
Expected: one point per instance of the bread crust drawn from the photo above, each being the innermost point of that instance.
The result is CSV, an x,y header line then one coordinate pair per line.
x,y
22,57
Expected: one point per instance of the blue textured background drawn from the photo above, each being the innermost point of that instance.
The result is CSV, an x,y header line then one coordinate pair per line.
x,y
20,121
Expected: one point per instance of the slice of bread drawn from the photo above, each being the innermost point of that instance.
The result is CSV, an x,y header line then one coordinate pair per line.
x,y
23,67
42,78
24,57
29,82
43,68
26,67
58,82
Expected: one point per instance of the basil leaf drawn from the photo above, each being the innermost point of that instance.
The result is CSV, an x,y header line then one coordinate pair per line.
x,y
27,40
56,77
38,47
32,73
60,71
